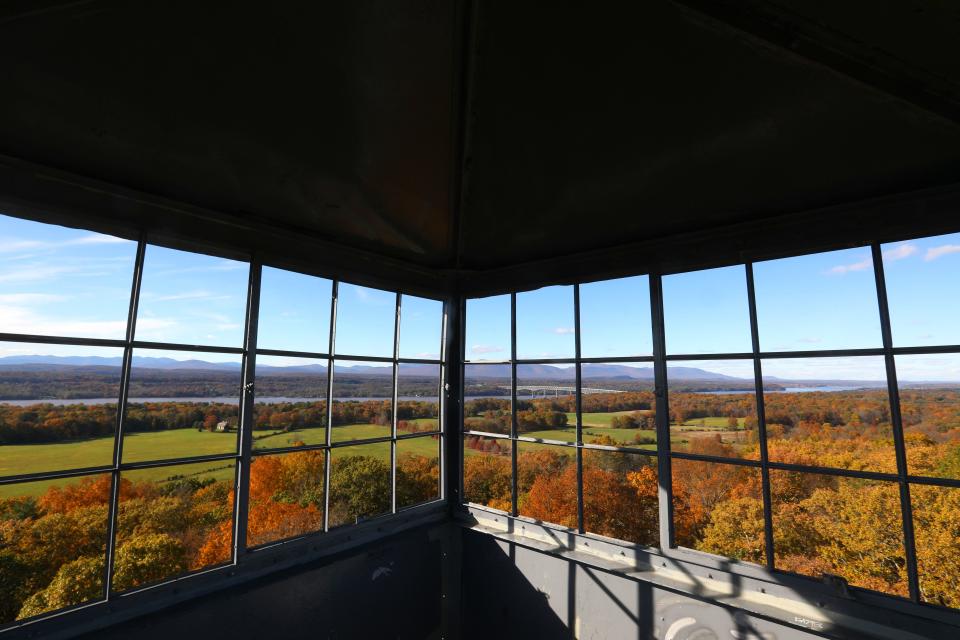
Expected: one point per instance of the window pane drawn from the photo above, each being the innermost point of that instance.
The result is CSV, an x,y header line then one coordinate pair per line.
x,y
181,404
546,402
488,328
294,311
847,527
486,393
53,536
615,318
487,472
829,412
713,408
56,281
362,400
936,533
286,496
930,411
620,496
707,311
366,321
547,483
718,508
173,520
418,470
618,404
545,323
418,398
421,322
190,298
291,402
58,407
820,301
923,289
359,483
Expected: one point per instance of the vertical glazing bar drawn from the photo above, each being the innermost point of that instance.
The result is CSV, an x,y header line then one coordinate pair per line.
x,y
396,384
514,496
126,365
893,391
446,489
460,340
241,506
664,466
331,365
579,406
761,419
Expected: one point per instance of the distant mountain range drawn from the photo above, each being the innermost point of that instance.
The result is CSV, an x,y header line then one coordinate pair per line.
x,y
591,370
537,371
477,371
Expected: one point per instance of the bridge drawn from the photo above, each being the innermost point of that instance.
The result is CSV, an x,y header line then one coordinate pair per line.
x,y
559,391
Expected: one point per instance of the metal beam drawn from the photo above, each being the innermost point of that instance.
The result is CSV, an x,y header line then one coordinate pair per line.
x,y
769,24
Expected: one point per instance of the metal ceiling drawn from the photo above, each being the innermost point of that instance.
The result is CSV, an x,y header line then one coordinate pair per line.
x,y
427,140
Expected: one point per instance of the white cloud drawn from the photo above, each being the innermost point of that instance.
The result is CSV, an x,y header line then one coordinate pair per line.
x,y
95,238
562,331
30,298
33,273
186,295
938,252
842,269
810,340
429,356
900,252
483,348
12,245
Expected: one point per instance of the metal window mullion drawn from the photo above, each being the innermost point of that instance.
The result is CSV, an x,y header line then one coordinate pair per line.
x,y
113,507
242,502
664,463
581,524
893,392
514,490
394,400
461,342
442,400
331,366
761,419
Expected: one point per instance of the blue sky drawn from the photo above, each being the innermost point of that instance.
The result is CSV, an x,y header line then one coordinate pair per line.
x,y
816,302
69,282
60,281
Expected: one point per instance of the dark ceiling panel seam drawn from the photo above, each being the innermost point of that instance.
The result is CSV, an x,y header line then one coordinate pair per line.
x,y
830,49
465,85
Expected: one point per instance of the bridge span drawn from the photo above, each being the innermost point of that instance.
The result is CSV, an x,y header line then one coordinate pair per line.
x,y
557,391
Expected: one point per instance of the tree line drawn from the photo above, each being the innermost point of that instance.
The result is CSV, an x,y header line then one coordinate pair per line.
x,y
47,423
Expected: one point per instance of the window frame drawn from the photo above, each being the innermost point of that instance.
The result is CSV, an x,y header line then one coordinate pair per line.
x,y
241,555
660,359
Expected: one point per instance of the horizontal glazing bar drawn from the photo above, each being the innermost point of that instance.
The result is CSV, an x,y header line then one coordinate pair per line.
x,y
419,361
341,356
54,475
292,354
602,360
169,346
152,464
83,342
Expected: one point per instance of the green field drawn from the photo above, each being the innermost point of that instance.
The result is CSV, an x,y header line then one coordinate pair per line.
x,y
712,422
600,419
178,443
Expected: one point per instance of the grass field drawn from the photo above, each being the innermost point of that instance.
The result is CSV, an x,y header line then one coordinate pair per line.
x,y
712,422
600,419
178,443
